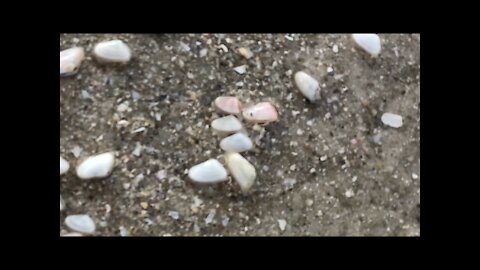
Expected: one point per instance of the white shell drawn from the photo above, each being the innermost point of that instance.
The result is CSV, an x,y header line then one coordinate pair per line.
x,y
62,204
241,69
115,51
242,171
369,42
64,166
245,52
80,223
97,166
392,120
210,171
227,124
308,86
70,60
238,142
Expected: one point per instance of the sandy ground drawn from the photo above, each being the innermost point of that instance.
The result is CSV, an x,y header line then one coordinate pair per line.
x,y
319,168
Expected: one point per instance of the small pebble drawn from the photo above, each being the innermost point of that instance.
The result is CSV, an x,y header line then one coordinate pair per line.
x,y
209,218
138,150
349,193
241,69
414,176
114,51
210,171
335,49
245,52
392,120
329,70
64,166
323,158
203,53
162,174
62,204
76,151
173,214
289,183
80,223
97,166
144,205
282,223
309,202
225,221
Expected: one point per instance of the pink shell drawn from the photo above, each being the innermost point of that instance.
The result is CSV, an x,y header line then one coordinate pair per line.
x,y
230,105
261,113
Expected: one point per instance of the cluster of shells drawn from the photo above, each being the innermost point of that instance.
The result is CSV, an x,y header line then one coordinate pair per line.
x,y
212,171
235,141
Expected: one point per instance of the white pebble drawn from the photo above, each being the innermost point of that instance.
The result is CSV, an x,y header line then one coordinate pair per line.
x,y
76,151
245,52
227,124
238,142
114,51
329,70
282,223
80,223
210,171
173,214
62,203
225,221
64,166
203,52
376,138
242,171
369,42
323,158
241,69
414,176
289,183
335,49
97,166
307,85
210,216
392,120
70,60
138,150
349,193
